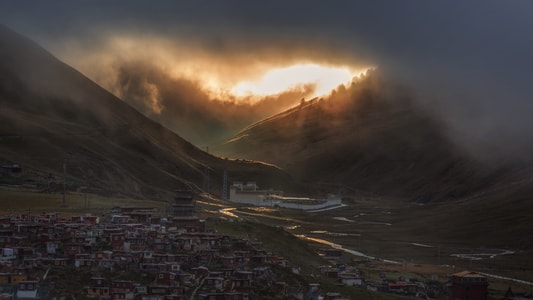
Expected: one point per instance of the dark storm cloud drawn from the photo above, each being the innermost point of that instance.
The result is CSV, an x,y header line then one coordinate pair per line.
x,y
469,61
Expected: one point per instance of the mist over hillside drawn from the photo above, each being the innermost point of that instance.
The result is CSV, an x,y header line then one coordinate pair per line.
x,y
371,136
161,88
468,61
52,115
183,106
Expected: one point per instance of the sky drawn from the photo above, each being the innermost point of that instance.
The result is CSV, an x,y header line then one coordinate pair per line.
x,y
470,62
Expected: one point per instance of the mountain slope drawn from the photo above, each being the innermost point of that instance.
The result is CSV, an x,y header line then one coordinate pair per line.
x,y
51,114
369,136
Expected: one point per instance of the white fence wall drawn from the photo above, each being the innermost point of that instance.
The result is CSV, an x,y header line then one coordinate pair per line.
x,y
259,199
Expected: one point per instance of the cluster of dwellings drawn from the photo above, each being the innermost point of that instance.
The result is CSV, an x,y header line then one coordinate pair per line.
x,y
351,276
465,285
249,193
181,259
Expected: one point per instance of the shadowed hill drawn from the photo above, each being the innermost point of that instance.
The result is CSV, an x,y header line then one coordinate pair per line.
x,y
50,113
370,137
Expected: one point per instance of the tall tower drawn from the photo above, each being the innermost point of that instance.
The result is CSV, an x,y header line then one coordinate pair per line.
x,y
206,179
225,185
64,183
184,206
184,212
206,175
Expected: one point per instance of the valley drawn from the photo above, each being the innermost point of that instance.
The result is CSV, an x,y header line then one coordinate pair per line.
x,y
415,201
376,239
389,233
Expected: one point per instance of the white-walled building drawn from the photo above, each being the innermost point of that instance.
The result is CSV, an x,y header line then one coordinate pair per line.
x,y
249,193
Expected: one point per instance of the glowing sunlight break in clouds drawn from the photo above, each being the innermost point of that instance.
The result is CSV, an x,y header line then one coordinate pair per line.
x,y
279,80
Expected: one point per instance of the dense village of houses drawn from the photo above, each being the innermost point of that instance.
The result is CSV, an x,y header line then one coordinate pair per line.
x,y
175,257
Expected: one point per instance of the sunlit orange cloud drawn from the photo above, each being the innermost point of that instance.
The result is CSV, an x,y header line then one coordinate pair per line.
x,y
224,75
278,80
